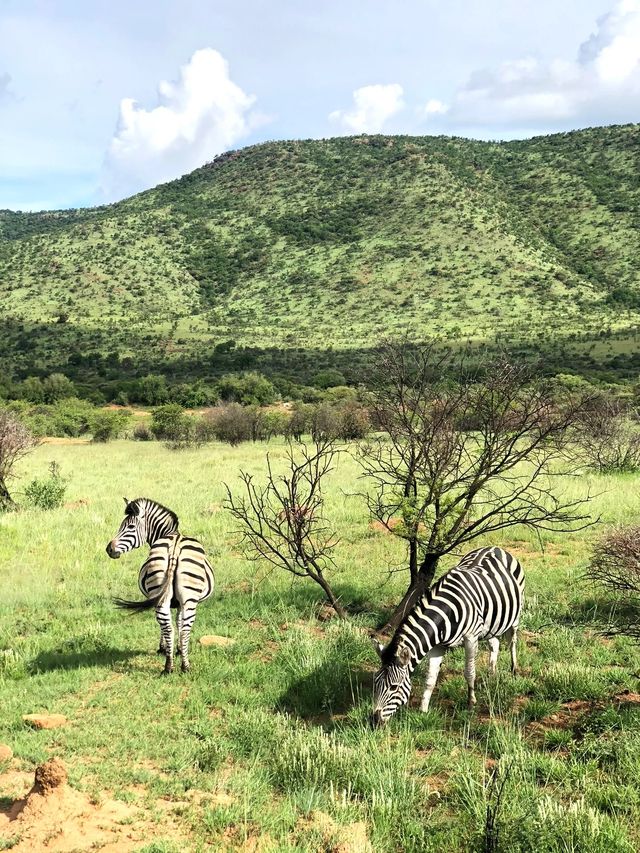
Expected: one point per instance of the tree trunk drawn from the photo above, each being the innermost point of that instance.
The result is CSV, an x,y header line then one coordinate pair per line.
x,y
418,586
333,601
6,501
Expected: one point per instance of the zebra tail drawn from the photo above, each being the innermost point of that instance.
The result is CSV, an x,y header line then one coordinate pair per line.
x,y
146,604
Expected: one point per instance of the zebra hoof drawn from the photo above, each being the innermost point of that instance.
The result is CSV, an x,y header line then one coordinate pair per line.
x,y
185,667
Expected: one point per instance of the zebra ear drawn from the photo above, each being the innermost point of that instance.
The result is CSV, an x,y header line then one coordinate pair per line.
x,y
403,655
377,646
126,501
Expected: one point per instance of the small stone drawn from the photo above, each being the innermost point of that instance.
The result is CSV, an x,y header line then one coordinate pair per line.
x,y
44,721
6,753
214,640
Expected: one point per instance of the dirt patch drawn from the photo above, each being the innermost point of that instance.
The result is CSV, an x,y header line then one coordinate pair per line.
x,y
55,439
51,816
81,502
215,640
6,753
44,721
336,838
628,698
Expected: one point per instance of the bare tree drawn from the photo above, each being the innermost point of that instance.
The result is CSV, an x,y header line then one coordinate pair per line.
x,y
15,442
608,439
459,458
615,568
282,522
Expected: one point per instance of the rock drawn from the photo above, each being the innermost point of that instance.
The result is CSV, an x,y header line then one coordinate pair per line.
x,y
44,721
6,753
50,775
214,640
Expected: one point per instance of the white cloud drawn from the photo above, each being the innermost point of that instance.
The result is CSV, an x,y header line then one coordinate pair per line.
x,y
197,117
434,107
372,107
601,85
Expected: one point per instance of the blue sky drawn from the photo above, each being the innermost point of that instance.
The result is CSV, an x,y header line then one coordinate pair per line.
x,y
99,100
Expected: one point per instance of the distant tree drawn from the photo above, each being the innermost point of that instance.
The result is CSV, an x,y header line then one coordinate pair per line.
x,y
460,457
328,378
32,389
15,442
250,389
56,387
152,390
231,423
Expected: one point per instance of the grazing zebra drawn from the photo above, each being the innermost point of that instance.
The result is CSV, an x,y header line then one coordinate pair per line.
x,y
481,598
175,574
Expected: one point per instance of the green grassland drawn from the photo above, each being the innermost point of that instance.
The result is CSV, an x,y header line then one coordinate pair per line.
x,y
306,253
264,745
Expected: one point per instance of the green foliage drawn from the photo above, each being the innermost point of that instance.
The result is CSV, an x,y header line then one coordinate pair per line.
x,y
170,422
250,389
106,424
294,258
47,493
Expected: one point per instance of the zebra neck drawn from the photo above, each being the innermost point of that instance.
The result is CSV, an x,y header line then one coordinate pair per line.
x,y
421,631
160,531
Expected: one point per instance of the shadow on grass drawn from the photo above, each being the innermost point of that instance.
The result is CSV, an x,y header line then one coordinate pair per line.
x,y
327,693
602,614
47,661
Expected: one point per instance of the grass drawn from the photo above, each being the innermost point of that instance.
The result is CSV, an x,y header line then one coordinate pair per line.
x,y
267,738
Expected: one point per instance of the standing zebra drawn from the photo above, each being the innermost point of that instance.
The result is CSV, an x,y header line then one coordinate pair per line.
x,y
175,574
481,598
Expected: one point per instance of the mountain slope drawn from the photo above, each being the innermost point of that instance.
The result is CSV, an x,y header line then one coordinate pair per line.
x,y
295,247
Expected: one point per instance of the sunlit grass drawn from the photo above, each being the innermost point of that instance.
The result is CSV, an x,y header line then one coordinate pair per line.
x,y
272,730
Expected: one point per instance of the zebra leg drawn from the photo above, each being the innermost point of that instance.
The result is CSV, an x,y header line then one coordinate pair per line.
x,y
163,615
471,650
187,616
512,634
494,648
435,659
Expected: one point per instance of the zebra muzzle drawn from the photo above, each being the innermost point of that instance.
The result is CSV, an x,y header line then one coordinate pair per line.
x,y
111,551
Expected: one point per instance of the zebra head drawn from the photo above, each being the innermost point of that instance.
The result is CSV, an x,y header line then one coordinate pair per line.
x,y
132,533
391,683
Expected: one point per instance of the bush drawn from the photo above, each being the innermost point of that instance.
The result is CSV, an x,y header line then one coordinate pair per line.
x,y
47,493
615,569
141,432
170,422
106,424
250,389
232,423
608,439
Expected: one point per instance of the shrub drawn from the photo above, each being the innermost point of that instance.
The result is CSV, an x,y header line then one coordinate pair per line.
x,y
141,432
250,389
608,440
170,422
106,424
232,423
47,493
615,568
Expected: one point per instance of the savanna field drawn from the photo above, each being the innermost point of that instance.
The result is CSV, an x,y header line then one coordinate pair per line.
x,y
265,745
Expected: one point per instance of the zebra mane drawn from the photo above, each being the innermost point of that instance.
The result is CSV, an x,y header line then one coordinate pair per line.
x,y
134,507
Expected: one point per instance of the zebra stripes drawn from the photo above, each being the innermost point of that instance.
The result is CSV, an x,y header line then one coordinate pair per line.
x,y
175,574
481,598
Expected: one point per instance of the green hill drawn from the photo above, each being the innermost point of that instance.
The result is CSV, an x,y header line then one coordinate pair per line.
x,y
288,256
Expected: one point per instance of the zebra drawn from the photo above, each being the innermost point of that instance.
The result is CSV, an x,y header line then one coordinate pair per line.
x,y
481,598
175,574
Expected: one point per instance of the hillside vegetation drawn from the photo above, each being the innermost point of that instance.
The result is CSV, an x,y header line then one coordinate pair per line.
x,y
290,256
